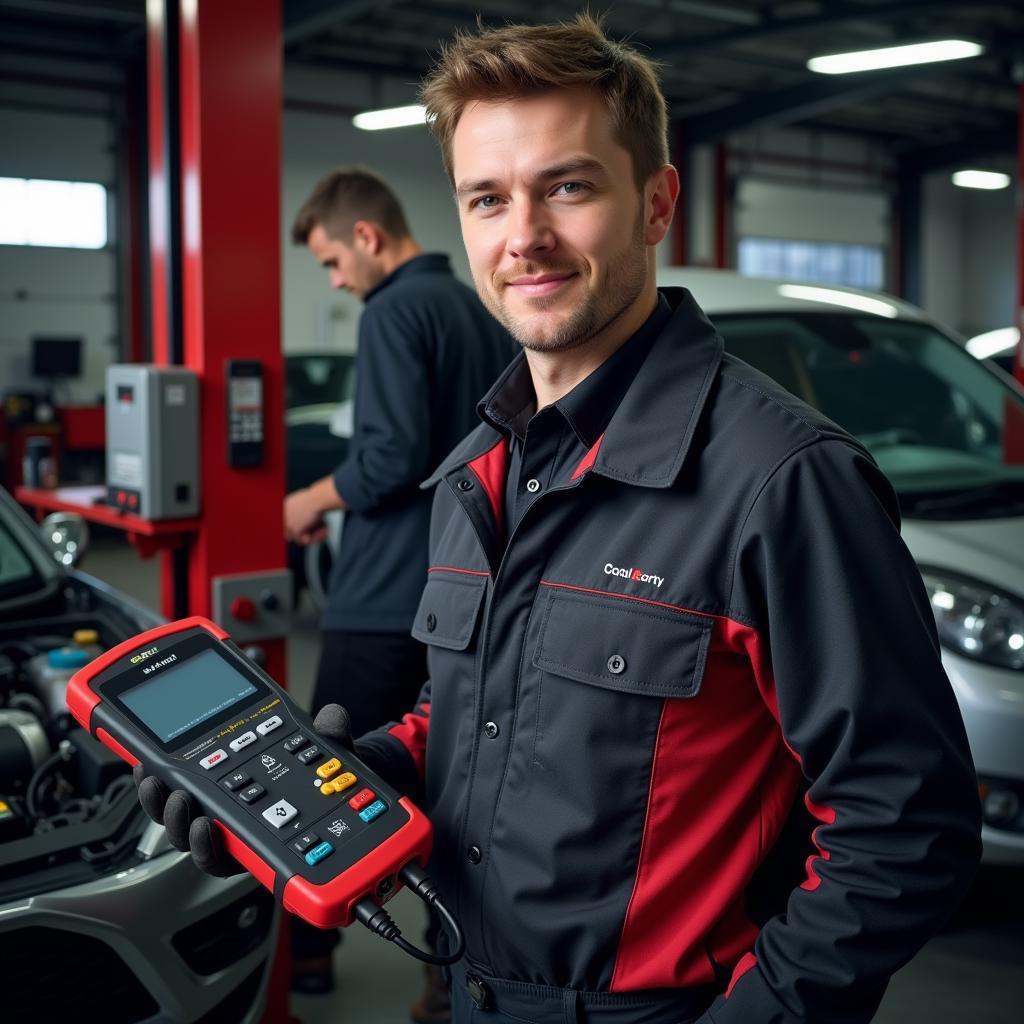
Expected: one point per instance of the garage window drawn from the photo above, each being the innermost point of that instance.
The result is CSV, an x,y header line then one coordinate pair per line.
x,y
60,214
857,266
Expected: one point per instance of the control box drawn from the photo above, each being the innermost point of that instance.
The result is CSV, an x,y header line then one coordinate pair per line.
x,y
153,440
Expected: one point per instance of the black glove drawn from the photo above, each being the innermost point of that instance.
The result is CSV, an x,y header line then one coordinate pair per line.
x,y
188,830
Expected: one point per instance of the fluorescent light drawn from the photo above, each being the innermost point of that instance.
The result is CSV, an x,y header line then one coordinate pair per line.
x,y
836,298
981,179
393,117
993,343
63,214
895,56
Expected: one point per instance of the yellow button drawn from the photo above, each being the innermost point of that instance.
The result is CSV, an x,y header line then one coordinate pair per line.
x,y
343,782
329,768
327,788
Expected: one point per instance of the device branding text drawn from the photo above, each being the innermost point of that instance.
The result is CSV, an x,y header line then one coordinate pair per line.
x,y
143,655
159,664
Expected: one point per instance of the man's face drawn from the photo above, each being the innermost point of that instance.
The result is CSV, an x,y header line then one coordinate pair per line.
x,y
554,225
348,266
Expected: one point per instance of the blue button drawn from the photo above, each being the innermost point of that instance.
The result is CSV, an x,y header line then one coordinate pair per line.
x,y
375,810
318,853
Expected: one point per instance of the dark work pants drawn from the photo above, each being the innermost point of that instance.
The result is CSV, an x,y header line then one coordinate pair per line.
x,y
377,677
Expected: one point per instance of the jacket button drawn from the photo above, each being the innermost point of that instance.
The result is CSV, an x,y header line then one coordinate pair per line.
x,y
533,486
431,622
491,730
465,485
474,855
616,664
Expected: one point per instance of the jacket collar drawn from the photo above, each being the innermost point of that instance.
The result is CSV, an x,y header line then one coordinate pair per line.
x,y
650,433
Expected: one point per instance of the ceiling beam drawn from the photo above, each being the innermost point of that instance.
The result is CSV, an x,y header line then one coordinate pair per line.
x,y
991,142
832,14
305,18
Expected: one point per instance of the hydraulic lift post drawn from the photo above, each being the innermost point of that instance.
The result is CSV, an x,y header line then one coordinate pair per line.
x,y
215,100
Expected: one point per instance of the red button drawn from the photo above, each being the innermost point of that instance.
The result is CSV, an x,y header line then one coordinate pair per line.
x,y
361,799
243,609
133,500
120,497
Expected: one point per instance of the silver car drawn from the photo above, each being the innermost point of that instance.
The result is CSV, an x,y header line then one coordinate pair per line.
x,y
100,918
948,431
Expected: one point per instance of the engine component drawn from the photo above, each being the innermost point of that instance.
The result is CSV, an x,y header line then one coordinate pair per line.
x,y
23,748
97,766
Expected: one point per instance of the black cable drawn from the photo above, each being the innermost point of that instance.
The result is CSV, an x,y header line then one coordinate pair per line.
x,y
380,923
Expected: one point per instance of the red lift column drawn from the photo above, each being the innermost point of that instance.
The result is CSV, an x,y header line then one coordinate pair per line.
x,y
215,100
1018,362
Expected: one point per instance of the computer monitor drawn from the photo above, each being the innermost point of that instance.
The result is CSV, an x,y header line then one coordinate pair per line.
x,y
56,357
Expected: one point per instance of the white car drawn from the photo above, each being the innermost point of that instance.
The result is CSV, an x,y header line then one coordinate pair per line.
x,y
948,431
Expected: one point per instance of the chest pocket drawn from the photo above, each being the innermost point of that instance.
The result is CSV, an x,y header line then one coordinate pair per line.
x,y
449,610
623,645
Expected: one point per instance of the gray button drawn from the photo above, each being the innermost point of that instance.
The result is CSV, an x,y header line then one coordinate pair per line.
x,y
243,741
280,814
474,855
533,485
431,622
216,757
491,730
269,725
616,664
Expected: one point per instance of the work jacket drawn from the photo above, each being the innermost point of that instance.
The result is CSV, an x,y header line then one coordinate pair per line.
x,y
711,618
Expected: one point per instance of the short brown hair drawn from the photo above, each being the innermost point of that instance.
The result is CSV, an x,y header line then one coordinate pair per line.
x,y
344,196
522,60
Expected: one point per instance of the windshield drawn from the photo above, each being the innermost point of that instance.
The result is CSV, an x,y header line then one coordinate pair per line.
x,y
947,431
18,574
318,379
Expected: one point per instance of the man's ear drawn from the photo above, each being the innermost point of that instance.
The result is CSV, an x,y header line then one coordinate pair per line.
x,y
367,237
660,195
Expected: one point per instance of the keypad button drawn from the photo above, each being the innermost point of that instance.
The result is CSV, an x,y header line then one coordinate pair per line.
x,y
304,842
343,782
243,741
272,723
296,743
252,794
280,814
318,853
309,755
329,768
375,810
235,782
362,799
217,757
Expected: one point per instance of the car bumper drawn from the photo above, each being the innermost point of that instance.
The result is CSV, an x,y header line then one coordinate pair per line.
x,y
992,704
137,913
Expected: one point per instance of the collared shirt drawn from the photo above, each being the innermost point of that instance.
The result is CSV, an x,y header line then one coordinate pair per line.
x,y
545,446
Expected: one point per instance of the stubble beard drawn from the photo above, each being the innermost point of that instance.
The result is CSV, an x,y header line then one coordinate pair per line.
x,y
596,312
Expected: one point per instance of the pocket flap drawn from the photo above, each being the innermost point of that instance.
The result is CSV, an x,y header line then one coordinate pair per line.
x,y
449,609
623,645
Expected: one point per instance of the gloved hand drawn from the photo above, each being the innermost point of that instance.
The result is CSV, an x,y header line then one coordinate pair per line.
x,y
188,830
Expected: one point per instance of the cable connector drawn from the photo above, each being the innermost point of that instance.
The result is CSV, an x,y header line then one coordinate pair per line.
x,y
377,919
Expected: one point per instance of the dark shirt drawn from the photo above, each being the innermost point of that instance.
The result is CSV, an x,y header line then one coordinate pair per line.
x,y
427,350
545,447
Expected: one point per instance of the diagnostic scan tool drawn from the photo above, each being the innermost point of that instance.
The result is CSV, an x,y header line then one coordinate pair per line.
x,y
327,836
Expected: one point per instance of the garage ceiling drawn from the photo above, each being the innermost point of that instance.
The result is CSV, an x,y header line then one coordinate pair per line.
x,y
726,66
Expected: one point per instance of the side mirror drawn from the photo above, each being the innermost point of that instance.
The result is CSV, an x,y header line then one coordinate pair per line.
x,y
66,536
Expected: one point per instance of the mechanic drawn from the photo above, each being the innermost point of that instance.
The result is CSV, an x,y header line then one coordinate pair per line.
x,y
427,351
617,764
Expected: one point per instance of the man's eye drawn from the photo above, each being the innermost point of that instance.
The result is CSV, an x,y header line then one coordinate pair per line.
x,y
571,188
486,202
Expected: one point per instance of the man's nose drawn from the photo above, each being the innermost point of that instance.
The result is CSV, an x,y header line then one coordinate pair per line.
x,y
337,279
530,233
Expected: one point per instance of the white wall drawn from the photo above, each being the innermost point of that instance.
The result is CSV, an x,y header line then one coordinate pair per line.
x,y
58,291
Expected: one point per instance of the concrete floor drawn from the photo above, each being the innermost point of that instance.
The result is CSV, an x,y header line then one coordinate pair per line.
x,y
972,972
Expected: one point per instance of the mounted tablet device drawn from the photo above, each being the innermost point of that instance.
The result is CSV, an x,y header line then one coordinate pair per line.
x,y
327,836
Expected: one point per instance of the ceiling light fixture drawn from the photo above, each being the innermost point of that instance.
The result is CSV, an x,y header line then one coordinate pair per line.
x,y
392,117
895,56
837,298
989,180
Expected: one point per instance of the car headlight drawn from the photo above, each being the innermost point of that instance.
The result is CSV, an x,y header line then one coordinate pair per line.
x,y
976,620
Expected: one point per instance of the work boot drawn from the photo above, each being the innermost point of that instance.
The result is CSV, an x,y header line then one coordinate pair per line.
x,y
434,1005
313,977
